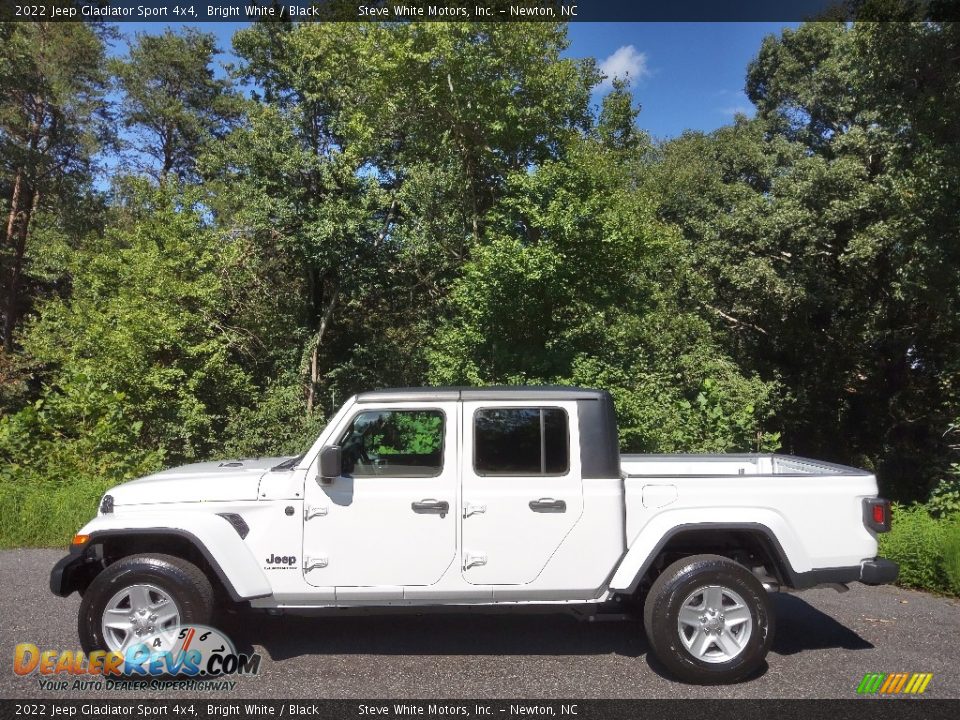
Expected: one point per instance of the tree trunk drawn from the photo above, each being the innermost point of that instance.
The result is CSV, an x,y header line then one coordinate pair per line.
x,y
14,207
18,226
21,228
315,353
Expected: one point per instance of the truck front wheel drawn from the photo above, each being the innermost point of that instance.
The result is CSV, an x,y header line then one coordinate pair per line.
x,y
708,620
143,598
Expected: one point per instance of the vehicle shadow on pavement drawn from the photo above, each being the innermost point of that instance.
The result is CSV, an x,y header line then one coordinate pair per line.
x,y
800,626
448,634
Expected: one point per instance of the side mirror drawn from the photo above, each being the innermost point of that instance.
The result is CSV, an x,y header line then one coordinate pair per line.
x,y
330,464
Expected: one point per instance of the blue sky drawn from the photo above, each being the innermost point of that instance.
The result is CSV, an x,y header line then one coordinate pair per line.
x,y
684,75
691,75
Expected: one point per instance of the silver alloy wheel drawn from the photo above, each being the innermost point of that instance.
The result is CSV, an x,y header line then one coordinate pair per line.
x,y
714,624
138,612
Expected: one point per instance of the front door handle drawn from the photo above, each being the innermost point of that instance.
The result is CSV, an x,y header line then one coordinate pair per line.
x,y
548,505
312,563
429,505
471,559
470,509
312,511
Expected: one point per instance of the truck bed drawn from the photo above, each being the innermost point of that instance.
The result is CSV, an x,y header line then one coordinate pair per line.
x,y
814,508
727,465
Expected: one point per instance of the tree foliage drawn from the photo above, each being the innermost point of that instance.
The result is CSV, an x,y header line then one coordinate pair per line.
x,y
149,317
826,230
173,104
52,110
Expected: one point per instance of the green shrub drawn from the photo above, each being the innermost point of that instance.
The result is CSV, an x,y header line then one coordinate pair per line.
x,y
951,555
57,457
945,499
275,425
916,542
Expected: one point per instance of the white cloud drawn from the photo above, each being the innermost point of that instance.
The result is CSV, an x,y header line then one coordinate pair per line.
x,y
626,62
739,103
736,110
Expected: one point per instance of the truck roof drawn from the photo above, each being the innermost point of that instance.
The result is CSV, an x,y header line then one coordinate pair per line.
x,y
537,393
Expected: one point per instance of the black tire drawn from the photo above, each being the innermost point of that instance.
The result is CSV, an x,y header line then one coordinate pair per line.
x,y
661,613
181,580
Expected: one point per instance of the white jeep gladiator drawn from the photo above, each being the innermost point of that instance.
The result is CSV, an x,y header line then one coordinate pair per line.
x,y
506,498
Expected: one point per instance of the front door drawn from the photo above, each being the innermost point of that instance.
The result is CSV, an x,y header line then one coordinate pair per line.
x,y
522,489
390,518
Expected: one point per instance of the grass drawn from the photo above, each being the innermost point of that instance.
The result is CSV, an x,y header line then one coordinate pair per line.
x,y
46,515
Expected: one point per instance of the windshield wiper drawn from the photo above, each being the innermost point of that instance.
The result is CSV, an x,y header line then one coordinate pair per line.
x,y
289,464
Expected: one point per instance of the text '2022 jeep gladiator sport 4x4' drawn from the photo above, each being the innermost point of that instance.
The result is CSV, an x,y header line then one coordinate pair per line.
x,y
482,498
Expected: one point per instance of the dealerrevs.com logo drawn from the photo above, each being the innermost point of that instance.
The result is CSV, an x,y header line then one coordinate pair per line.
x,y
900,683
182,657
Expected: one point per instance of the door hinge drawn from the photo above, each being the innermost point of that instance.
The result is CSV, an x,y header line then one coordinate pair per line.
x,y
314,563
312,511
473,560
470,509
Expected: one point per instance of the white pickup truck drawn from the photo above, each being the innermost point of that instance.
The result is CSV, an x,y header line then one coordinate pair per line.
x,y
508,498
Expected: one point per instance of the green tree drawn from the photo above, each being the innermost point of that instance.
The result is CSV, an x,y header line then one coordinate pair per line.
x,y
580,283
617,121
370,160
825,229
149,317
173,103
51,111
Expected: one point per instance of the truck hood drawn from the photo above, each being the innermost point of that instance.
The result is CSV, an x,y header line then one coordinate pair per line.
x,y
218,481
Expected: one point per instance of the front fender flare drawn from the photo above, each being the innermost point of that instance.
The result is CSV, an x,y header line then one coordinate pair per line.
x,y
213,537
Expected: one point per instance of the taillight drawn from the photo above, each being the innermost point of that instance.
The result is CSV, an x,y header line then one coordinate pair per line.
x,y
876,514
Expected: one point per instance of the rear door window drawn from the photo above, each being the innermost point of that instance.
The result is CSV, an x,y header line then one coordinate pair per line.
x,y
521,441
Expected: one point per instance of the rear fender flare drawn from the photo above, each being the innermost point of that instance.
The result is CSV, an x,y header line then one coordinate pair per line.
x,y
658,532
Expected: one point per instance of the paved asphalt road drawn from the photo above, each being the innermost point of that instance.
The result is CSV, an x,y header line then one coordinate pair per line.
x,y
825,642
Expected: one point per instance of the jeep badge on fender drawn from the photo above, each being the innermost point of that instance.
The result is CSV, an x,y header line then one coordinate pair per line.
x,y
282,560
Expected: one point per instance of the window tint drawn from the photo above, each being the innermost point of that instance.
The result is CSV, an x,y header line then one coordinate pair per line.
x,y
520,441
394,443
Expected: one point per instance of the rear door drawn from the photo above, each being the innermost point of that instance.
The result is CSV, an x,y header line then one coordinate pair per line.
x,y
521,487
390,518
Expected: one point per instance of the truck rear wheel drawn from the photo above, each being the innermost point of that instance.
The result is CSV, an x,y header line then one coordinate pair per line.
x,y
140,597
708,620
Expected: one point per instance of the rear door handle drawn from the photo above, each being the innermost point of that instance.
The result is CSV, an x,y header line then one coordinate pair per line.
x,y
548,505
429,505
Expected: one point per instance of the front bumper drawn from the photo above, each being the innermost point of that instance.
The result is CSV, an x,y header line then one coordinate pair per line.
x,y
74,571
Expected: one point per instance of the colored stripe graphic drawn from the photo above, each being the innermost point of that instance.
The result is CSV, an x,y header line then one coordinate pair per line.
x,y
871,682
894,683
